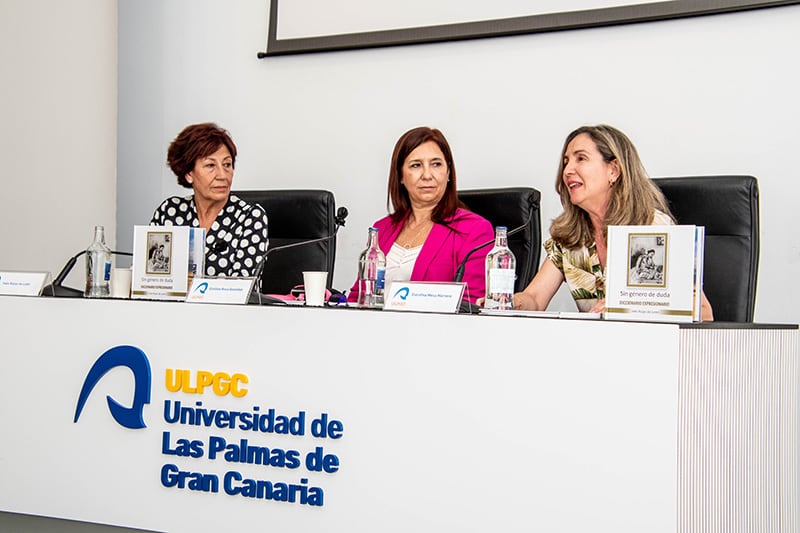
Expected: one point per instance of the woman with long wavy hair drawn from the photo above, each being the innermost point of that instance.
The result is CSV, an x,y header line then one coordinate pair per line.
x,y
601,182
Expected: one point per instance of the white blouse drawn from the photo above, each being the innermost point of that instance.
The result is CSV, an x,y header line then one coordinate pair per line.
x,y
400,263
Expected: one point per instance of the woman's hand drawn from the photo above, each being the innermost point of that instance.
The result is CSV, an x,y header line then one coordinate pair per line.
x,y
706,313
524,301
540,290
514,301
599,307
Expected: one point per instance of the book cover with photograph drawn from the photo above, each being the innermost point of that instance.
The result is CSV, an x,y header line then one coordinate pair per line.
x,y
161,262
654,273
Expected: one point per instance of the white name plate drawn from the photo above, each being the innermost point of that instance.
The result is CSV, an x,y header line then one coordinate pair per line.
x,y
220,290
22,283
431,297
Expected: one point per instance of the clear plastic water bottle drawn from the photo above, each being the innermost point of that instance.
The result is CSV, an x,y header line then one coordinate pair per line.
x,y
371,272
501,268
98,266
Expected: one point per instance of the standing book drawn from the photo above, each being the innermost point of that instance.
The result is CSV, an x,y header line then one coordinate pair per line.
x,y
165,260
654,273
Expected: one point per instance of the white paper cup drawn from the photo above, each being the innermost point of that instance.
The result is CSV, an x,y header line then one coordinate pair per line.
x,y
120,282
314,283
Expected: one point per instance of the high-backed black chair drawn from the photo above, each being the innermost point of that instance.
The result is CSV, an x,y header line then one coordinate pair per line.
x,y
512,207
728,208
295,215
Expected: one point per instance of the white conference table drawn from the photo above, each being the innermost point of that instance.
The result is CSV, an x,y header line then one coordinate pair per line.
x,y
448,423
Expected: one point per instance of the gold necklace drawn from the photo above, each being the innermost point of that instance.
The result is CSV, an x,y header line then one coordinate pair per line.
x,y
411,241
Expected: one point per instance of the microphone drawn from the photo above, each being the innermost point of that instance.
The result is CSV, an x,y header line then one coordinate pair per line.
x,y
341,214
218,247
463,265
62,275
338,220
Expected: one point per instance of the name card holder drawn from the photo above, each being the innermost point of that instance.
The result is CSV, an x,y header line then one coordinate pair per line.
x,y
220,290
427,297
22,283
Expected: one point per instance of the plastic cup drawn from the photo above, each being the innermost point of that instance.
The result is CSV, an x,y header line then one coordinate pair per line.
x,y
314,285
120,282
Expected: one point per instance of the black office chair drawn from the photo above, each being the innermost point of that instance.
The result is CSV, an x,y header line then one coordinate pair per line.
x,y
728,208
512,207
295,215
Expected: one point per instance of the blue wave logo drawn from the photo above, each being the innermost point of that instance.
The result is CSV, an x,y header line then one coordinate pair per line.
x,y
401,293
202,288
121,356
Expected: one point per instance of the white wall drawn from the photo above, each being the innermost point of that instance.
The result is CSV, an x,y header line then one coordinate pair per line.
x,y
701,96
57,145
58,141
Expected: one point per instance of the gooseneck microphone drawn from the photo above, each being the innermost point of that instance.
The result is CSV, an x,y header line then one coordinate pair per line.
x,y
338,220
463,265
62,275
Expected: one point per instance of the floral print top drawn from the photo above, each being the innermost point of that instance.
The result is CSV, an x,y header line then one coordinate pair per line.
x,y
582,271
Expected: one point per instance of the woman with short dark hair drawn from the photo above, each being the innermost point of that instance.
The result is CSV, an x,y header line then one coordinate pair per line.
x,y
203,157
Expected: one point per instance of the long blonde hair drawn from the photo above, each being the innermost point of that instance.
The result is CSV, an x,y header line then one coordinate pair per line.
x,y
634,198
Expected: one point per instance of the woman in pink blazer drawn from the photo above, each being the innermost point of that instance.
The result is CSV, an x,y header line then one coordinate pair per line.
x,y
429,232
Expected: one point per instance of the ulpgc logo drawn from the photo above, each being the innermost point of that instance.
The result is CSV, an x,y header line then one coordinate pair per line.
x,y
400,296
202,287
121,356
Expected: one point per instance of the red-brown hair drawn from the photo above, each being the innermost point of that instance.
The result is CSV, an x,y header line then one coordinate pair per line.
x,y
397,200
197,142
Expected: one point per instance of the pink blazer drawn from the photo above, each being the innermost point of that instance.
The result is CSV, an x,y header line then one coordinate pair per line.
x,y
443,250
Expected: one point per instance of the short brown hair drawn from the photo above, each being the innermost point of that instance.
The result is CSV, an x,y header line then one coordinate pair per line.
x,y
196,142
397,201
